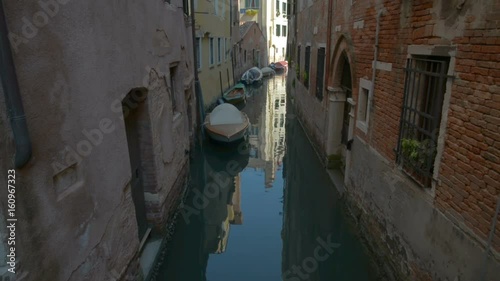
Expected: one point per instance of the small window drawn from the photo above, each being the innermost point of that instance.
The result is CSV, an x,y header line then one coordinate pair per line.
x,y
219,50
425,85
212,57
284,31
363,114
278,6
278,30
283,8
173,88
186,7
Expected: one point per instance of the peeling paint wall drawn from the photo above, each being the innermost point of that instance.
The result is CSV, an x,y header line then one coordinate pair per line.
x,y
75,63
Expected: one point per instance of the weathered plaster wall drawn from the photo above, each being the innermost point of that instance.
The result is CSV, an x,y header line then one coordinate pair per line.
x,y
73,73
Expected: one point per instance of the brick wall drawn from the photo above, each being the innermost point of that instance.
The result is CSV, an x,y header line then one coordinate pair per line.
x,y
468,161
470,171
468,185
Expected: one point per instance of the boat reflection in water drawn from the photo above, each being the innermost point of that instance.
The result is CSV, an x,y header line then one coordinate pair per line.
x,y
223,165
211,207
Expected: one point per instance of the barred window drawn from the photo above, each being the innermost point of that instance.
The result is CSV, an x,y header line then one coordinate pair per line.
x,y
307,66
320,74
298,62
425,85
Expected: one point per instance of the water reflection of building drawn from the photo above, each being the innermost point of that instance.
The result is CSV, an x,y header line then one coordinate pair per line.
x,y
267,130
222,189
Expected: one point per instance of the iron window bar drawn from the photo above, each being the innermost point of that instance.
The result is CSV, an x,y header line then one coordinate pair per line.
x,y
425,85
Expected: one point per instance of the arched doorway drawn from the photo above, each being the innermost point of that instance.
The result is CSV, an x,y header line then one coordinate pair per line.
x,y
340,102
346,86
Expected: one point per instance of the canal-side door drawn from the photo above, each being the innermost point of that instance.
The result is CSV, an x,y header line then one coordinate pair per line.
x,y
346,85
132,108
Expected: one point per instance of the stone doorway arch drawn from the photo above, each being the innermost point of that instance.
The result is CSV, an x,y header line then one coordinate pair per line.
x,y
341,104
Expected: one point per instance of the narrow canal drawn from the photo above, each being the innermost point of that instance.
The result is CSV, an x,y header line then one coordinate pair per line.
x,y
264,209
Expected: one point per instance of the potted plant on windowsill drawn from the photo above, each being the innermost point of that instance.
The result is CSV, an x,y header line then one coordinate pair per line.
x,y
305,77
417,157
251,12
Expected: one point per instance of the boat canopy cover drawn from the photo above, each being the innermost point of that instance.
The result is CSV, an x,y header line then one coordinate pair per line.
x,y
251,74
225,114
266,70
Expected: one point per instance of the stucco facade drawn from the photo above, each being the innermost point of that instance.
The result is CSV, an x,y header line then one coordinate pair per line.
x,y
213,33
100,82
434,229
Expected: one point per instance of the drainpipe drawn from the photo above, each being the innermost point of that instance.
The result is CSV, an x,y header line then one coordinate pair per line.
x,y
328,40
197,85
15,110
375,58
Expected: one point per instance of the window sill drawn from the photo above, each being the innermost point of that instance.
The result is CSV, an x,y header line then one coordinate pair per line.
x,y
363,126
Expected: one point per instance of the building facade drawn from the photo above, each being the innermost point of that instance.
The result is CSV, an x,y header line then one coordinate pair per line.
x,y
213,42
272,18
250,50
107,92
402,97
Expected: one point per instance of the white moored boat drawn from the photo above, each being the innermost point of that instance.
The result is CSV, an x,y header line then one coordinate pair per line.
x,y
226,123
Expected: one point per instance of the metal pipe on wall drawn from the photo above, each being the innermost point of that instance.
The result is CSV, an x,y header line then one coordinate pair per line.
x,y
10,85
197,84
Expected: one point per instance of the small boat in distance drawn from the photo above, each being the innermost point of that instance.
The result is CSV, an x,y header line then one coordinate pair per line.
x,y
267,71
235,94
226,123
253,75
279,67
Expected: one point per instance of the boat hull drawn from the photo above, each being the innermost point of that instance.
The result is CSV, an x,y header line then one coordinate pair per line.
x,y
225,139
235,95
252,76
227,133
